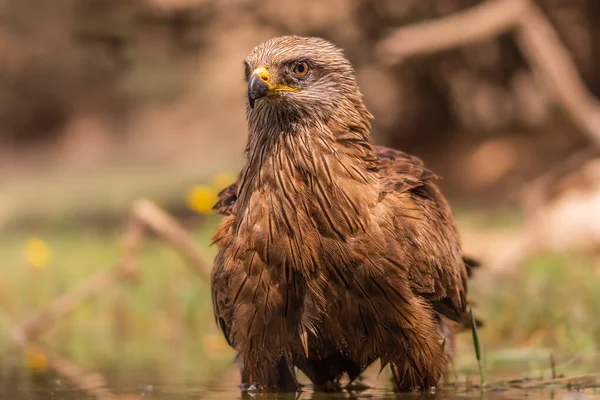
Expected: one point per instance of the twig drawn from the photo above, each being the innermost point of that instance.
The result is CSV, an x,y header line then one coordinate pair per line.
x,y
593,379
479,23
537,38
144,213
64,305
541,45
548,58
168,228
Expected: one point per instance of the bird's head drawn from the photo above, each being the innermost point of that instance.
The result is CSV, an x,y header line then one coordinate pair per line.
x,y
302,77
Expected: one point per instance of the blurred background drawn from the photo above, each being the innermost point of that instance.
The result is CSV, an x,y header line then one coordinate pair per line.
x,y
103,102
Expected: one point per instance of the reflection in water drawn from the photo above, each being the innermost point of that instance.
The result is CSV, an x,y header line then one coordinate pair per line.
x,y
20,384
62,379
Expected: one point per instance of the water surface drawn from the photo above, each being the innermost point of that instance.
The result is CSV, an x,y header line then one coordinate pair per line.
x,y
71,383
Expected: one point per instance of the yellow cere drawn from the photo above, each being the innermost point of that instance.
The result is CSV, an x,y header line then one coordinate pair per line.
x,y
36,252
263,74
201,198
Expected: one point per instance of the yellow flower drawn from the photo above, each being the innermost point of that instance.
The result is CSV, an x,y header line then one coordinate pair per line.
x,y
37,252
35,359
201,198
221,180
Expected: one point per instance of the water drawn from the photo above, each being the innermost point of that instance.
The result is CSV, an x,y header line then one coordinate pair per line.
x,y
72,383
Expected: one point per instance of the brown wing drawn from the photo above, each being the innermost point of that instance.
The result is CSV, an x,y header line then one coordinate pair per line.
x,y
427,234
220,279
221,297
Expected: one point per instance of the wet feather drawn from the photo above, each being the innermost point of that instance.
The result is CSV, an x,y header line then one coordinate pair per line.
x,y
332,252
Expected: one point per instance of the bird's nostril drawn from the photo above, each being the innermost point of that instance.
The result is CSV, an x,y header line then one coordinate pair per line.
x,y
264,78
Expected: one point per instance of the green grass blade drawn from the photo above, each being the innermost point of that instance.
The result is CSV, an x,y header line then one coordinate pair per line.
x,y
477,347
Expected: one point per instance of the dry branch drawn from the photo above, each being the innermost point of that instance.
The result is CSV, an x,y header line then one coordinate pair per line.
x,y
542,47
548,58
482,22
144,214
536,37
168,228
64,305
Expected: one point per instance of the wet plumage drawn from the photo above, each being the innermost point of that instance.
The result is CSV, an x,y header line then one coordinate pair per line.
x,y
332,252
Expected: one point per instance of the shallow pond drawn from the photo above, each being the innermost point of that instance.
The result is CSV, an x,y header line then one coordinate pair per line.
x,y
71,383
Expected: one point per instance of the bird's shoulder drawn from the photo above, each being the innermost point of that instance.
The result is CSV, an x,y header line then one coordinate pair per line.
x,y
399,171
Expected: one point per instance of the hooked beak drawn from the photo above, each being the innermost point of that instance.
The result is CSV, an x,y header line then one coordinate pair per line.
x,y
259,86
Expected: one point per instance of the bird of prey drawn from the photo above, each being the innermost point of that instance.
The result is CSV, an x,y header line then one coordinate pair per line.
x,y
332,252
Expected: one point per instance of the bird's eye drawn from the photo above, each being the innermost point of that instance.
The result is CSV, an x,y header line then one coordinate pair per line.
x,y
301,69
